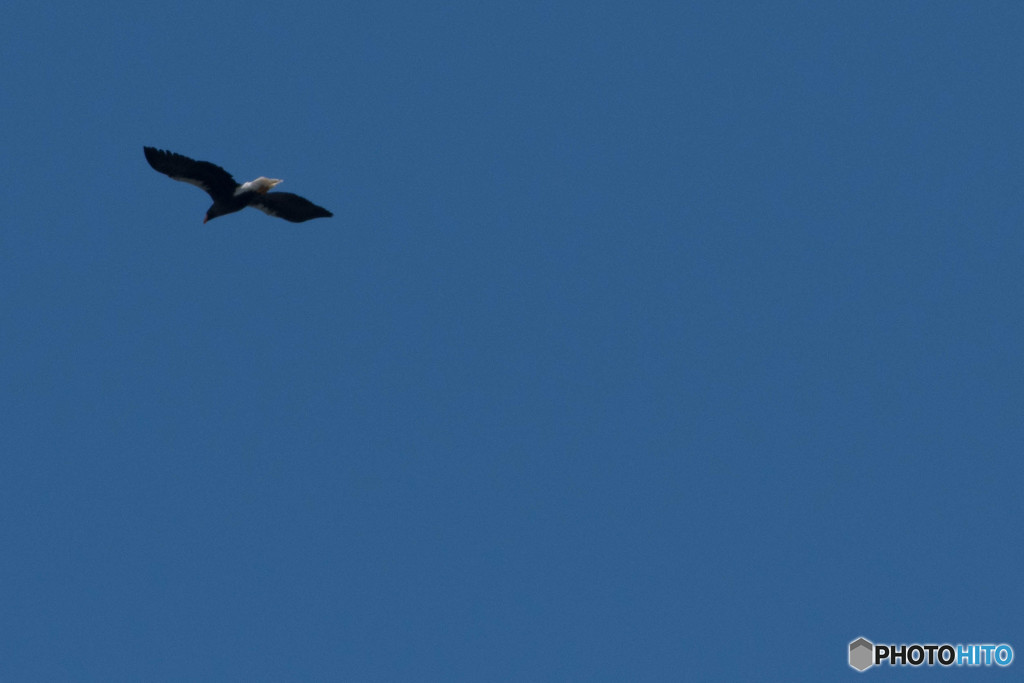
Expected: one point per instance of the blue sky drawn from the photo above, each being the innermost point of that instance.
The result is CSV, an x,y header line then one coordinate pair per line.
x,y
658,341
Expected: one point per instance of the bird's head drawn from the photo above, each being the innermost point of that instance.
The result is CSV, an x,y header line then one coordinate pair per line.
x,y
212,213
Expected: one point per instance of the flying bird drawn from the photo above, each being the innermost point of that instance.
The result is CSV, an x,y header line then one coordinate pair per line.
x,y
228,196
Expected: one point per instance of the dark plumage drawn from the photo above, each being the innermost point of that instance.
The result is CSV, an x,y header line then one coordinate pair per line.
x,y
228,196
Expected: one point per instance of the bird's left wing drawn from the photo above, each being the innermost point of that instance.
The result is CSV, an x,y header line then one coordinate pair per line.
x,y
217,182
288,206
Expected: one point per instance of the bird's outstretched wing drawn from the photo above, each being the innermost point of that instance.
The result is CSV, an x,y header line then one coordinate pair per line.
x,y
217,182
288,206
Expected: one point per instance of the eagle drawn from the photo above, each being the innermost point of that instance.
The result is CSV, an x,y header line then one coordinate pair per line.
x,y
229,196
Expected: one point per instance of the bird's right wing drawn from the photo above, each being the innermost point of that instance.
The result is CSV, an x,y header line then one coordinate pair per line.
x,y
217,182
288,206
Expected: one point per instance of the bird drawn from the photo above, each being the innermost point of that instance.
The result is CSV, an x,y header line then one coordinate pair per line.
x,y
229,196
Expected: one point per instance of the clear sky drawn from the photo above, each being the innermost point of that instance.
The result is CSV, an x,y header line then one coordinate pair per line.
x,y
649,341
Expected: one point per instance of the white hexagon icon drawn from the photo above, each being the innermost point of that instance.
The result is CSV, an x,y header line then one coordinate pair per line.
x,y
862,654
